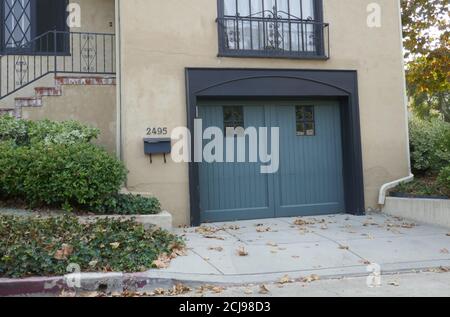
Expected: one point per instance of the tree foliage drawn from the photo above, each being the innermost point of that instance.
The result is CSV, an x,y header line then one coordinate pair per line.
x,y
427,51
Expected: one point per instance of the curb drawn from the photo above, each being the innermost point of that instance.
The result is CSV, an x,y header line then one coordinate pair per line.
x,y
151,280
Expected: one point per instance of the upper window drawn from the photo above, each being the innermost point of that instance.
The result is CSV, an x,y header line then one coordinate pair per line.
x,y
16,17
32,25
272,28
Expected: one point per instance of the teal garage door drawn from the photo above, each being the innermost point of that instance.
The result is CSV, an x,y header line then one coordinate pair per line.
x,y
309,180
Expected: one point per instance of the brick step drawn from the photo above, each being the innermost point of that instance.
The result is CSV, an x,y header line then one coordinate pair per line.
x,y
39,92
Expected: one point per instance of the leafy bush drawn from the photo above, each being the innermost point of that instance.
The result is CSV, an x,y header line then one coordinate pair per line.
x,y
68,132
14,130
14,162
24,132
71,175
36,246
444,178
131,205
430,145
53,164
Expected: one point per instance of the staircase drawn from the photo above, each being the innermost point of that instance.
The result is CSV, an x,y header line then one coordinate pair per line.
x,y
84,58
55,91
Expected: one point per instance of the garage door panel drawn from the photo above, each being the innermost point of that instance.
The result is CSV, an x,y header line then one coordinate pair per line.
x,y
310,176
231,191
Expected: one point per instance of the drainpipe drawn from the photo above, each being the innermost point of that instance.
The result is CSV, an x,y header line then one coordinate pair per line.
x,y
390,185
119,128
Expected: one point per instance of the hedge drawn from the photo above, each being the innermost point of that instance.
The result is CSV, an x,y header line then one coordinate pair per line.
x,y
54,164
430,145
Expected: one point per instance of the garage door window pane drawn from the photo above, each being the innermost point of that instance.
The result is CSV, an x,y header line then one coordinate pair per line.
x,y
233,117
305,121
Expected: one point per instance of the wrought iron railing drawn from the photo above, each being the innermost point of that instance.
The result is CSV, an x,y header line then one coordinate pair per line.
x,y
273,37
56,52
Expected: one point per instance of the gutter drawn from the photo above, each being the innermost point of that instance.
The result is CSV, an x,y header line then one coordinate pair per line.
x,y
390,185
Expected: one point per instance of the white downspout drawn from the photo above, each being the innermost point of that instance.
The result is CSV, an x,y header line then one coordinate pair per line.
x,y
390,185
119,123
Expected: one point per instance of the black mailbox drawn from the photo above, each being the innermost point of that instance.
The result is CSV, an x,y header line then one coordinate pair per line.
x,y
157,146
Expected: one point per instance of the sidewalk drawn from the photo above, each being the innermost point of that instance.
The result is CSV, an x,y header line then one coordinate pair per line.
x,y
327,246
398,285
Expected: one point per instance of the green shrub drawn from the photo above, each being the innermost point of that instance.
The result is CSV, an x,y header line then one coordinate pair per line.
x,y
53,164
68,132
72,175
444,178
14,162
24,132
14,130
430,145
45,247
121,204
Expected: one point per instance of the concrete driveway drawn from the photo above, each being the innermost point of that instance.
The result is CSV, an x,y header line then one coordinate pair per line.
x,y
327,246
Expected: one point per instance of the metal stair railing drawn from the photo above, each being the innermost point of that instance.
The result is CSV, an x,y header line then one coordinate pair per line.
x,y
56,52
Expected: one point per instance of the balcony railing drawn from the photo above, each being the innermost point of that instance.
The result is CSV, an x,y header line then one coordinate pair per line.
x,y
273,37
56,52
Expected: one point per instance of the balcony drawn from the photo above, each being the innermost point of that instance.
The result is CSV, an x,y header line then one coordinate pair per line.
x,y
273,37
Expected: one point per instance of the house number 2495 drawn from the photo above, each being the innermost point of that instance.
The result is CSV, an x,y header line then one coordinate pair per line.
x,y
157,131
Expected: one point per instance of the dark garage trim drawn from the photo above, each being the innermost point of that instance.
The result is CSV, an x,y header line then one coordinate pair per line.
x,y
226,83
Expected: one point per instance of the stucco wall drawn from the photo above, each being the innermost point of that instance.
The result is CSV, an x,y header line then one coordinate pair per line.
x,y
94,105
159,38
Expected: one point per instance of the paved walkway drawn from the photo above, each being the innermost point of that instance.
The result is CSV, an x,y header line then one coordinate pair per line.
x,y
327,246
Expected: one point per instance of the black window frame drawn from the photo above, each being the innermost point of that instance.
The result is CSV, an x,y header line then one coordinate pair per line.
x,y
61,34
304,121
322,42
234,124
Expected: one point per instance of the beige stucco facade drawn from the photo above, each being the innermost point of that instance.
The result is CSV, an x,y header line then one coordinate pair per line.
x,y
160,38
157,40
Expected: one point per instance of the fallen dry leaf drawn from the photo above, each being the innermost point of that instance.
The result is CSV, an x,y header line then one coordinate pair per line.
x,y
64,253
211,288
207,230
444,251
303,222
263,289
285,280
396,284
242,251
440,269
218,249
344,247
262,228
272,244
179,289
448,234
115,245
310,279
248,291
162,262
